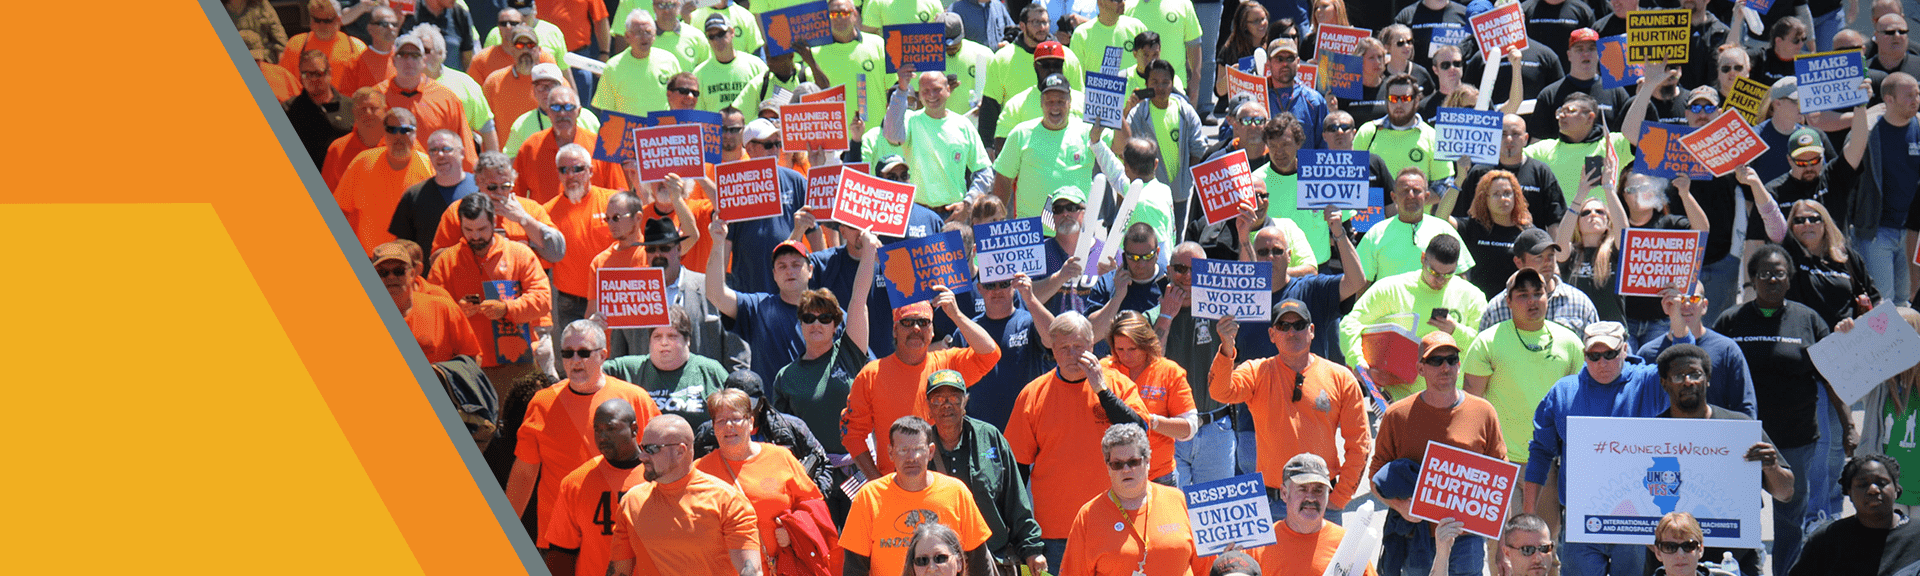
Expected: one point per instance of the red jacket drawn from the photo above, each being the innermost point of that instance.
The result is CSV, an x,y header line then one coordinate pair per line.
x,y
815,549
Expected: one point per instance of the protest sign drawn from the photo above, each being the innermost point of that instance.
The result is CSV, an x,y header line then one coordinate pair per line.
x,y
1110,59
709,123
873,204
1880,346
1724,144
1221,184
1341,74
1229,511
632,297
813,127
1010,247
922,45
1830,81
1499,30
822,183
1466,486
1232,288
1662,155
1309,75
1333,179
1248,83
1376,212
794,26
1623,474
1759,6
614,143
1746,97
1106,96
1467,132
1653,260
1441,34
512,341
1615,72
1336,39
667,150
834,94
1659,35
914,267
748,190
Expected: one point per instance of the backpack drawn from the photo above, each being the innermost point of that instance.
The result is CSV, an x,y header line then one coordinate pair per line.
x,y
472,395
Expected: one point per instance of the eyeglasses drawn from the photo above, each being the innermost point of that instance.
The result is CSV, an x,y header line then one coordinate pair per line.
x,y
1254,121
1179,268
1299,379
1001,285
313,74
582,353
409,55
1808,163
1441,275
1294,326
1593,212
1771,275
564,170
916,322
1894,32
1672,547
1726,68
716,35
1531,550
401,129
1702,108
811,318
1269,252
395,272
1343,127
562,108
936,559
1064,208
318,20
610,218
696,94
1131,257
385,24
651,449
839,12
1118,465
498,187
1450,359
726,129
1286,57
525,44
1598,356
735,421
442,149
1447,64
1691,376
1399,98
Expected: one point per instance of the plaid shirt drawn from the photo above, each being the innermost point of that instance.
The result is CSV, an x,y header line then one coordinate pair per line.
x,y
1566,305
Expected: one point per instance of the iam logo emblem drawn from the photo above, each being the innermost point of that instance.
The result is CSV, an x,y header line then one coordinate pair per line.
x,y
913,519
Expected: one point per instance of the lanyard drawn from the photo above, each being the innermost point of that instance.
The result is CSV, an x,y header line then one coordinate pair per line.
x,y
1131,524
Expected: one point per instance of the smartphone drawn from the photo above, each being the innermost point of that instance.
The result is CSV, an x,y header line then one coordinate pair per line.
x,y
1439,314
1595,165
473,298
1143,93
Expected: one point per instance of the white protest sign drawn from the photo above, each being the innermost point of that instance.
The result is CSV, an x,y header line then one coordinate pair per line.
x,y
1880,346
1623,474
1010,247
1229,511
1470,133
1232,288
1106,95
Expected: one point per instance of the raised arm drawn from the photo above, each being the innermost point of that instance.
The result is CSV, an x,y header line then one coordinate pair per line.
x,y
1863,117
1102,319
1655,75
857,328
1516,90
1353,278
1695,215
1042,318
1763,201
894,125
722,297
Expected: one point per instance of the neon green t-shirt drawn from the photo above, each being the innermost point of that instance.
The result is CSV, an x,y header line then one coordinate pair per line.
x,y
721,82
1013,73
546,34
1040,161
1027,106
746,26
844,62
1521,365
534,121
636,85
1394,247
1166,132
1901,445
1135,81
882,13
1406,293
874,146
749,99
686,44
471,96
1283,201
972,61
1090,41
1568,160
1402,148
942,151
1176,23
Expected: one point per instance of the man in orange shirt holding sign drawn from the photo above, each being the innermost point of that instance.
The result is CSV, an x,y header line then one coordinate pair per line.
x,y
488,257
887,510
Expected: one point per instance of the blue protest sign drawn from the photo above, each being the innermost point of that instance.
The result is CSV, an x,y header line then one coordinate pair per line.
x,y
1660,153
800,25
615,141
1010,247
709,127
1341,73
1106,96
1830,81
1443,34
1376,212
922,45
1333,179
1615,72
1467,132
913,267
1232,288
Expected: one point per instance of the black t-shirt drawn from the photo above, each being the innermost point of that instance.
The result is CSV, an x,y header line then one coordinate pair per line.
x,y
1766,68
1673,111
1374,107
1613,104
1718,198
1581,272
1702,68
1749,558
1828,287
1553,24
1545,201
1540,66
1492,248
1423,22
1843,548
1608,24
1785,385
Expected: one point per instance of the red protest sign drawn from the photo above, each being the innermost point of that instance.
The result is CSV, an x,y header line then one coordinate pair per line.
x,y
1308,76
816,126
1651,260
822,183
631,297
748,189
1465,486
1221,185
1337,39
870,203
672,149
1724,144
834,94
1498,29
1248,83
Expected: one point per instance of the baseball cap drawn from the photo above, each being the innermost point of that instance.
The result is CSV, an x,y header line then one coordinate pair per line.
x,y
1613,334
524,6
391,251
760,129
522,32
548,71
1785,87
406,39
1395,480
1435,341
1286,45
1290,305
1805,140
889,162
718,21
956,29
1534,241
1706,92
1055,82
793,245
946,379
920,309
1527,274
1234,562
1584,35
1050,49
1305,468
1073,193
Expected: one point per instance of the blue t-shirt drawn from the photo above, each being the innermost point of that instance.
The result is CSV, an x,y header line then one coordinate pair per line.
x,y
833,269
753,241
1899,167
771,328
1321,293
1081,296
1635,394
1022,359
1141,297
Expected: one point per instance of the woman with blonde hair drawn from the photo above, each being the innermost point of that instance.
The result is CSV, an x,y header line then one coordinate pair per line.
x,y
1593,243
1833,279
1171,414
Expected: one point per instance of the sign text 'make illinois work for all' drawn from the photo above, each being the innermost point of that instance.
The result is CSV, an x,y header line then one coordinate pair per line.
x,y
914,267
1010,247
1232,288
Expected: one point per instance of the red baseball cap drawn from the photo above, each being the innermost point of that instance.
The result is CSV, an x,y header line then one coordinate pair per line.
x,y
795,246
1584,35
1050,49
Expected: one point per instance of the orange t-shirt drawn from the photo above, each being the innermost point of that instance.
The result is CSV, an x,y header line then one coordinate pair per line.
x,y
371,187
1330,400
540,172
439,328
369,68
887,389
709,517
1056,428
693,257
575,19
583,520
510,95
1158,532
461,272
884,516
448,232
420,284
558,432
586,232
495,57
774,483
341,51
435,107
285,84
1164,389
340,154
1296,554
617,255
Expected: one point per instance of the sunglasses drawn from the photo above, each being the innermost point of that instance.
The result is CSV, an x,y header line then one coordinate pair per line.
x,y
325,20
1131,257
1447,64
1598,356
563,108
1702,108
765,143
1254,121
1294,326
1269,252
1179,268
1726,68
1299,379
498,187
1672,547
936,559
610,218
1808,163
1692,299
661,249
510,24
1807,220
581,353
1450,359
564,170
1441,275
839,12
1531,550
811,318
1403,43
385,24
1593,212
1399,98
1338,128
694,93
726,129
1897,32
524,44
1063,208
1286,57
1118,465
442,149
401,129
396,272
313,75
1001,285
916,322
716,35
651,449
